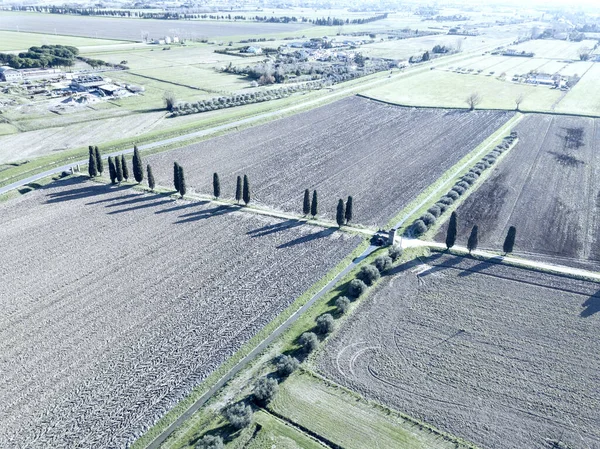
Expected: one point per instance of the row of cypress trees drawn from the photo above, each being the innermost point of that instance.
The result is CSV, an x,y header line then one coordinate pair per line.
x,y
117,167
344,212
473,241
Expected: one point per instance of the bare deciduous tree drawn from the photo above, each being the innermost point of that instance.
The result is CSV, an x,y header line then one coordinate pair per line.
x,y
473,100
519,99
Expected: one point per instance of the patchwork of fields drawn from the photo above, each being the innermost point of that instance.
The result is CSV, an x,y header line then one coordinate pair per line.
x,y
116,304
382,155
133,29
498,355
546,187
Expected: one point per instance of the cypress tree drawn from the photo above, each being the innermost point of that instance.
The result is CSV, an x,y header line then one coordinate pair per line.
x,y
138,167
340,216
92,169
182,186
246,190
124,167
509,242
151,182
176,175
306,204
314,206
348,214
112,171
238,189
119,169
451,233
99,163
216,185
473,239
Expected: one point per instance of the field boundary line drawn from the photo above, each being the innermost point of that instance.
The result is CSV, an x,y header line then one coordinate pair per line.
x,y
161,437
456,171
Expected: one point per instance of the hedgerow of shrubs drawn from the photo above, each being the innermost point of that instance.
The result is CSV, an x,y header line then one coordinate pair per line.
x,y
265,389
238,415
210,442
383,263
325,324
286,365
368,274
428,219
356,288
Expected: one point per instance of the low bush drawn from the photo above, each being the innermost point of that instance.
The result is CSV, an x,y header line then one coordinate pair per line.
x,y
443,207
474,171
428,219
309,341
325,324
238,415
435,211
452,194
368,274
480,165
459,189
265,389
383,263
419,228
210,442
356,288
395,252
286,365
342,304
463,184
446,200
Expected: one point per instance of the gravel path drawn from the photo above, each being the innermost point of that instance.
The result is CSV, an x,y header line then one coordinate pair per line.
x,y
504,357
116,304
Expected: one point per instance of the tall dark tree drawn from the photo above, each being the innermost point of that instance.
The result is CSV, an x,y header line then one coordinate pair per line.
x,y
348,214
246,190
509,242
119,169
451,233
306,204
340,216
182,186
473,239
176,175
112,171
314,205
216,185
92,169
138,167
124,167
238,189
151,182
99,163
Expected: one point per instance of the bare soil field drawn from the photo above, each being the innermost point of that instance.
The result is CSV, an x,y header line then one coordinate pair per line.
x,y
382,155
132,29
547,187
116,304
504,357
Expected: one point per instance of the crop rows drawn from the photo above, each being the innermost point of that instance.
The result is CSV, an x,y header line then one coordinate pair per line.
x,y
382,155
503,357
116,304
547,187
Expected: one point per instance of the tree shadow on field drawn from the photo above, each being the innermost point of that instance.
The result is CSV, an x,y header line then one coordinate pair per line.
x,y
82,192
274,228
592,305
308,238
182,206
108,200
207,213
138,198
143,206
481,266
443,265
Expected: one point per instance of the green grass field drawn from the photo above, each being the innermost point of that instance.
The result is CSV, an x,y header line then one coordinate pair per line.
x,y
345,419
440,88
584,98
278,434
12,40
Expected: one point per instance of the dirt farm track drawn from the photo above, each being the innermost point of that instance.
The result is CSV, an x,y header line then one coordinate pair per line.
x,y
115,304
497,355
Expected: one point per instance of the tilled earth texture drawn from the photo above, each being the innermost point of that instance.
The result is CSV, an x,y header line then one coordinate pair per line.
x,y
382,155
503,357
548,187
115,304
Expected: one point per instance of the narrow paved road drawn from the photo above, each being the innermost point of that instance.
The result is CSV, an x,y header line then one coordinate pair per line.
x,y
256,351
